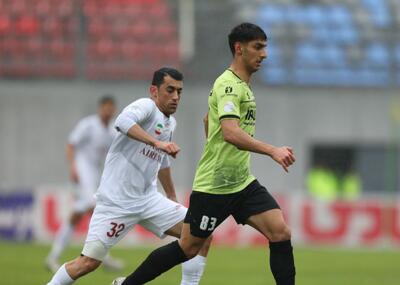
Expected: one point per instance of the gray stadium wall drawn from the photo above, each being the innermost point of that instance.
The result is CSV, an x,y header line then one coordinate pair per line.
x,y
36,117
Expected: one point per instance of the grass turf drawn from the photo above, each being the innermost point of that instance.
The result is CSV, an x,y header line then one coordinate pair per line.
x,y
23,263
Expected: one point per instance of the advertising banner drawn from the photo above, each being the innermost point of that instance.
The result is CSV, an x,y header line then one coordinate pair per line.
x,y
16,208
365,222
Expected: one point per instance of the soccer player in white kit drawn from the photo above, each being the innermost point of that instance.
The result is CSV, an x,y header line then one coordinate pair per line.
x,y
87,147
128,194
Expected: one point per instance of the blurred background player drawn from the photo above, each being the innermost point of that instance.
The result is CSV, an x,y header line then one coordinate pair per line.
x,y
86,150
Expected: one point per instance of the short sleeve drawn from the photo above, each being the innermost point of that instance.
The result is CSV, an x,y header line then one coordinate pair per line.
x,y
135,113
165,162
80,133
228,100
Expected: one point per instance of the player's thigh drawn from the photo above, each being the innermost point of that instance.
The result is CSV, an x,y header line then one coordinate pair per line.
x,y
175,230
108,225
163,216
254,199
271,224
207,211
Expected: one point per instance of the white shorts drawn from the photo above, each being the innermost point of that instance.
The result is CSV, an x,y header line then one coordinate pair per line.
x,y
109,224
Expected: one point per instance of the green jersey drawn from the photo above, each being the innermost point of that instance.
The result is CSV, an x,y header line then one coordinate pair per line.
x,y
223,168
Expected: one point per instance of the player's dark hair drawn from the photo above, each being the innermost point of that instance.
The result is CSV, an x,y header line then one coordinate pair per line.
x,y
158,76
105,99
245,32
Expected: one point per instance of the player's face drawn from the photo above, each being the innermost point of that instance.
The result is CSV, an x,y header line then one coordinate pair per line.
x,y
254,52
107,111
167,96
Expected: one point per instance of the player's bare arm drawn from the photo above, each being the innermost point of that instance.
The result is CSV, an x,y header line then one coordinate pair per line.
x,y
137,133
70,153
205,122
164,175
233,134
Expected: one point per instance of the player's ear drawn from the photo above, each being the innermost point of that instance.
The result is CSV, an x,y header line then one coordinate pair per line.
x,y
153,91
238,48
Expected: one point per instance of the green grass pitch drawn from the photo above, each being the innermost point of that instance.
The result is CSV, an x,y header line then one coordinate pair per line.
x,y
22,263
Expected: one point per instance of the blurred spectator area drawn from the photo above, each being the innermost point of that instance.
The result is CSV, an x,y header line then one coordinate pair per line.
x,y
128,38
330,42
311,43
37,38
94,39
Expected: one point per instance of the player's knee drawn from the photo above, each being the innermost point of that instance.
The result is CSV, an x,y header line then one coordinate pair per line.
x,y
191,250
281,234
206,246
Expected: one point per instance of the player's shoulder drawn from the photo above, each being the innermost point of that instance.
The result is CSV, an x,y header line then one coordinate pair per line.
x,y
228,80
88,120
228,84
144,103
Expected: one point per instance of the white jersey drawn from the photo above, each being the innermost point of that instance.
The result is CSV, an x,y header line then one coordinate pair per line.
x,y
131,168
91,140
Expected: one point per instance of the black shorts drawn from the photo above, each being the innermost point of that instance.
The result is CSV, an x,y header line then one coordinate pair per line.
x,y
206,211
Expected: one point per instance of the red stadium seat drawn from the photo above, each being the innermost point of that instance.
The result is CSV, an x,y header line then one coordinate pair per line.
x,y
5,25
52,27
13,47
141,30
97,28
65,8
35,48
61,49
42,8
27,25
159,11
17,7
164,30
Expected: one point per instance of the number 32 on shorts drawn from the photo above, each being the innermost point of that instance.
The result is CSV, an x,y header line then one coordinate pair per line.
x,y
208,223
115,230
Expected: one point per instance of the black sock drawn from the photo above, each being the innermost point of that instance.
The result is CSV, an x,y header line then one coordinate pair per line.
x,y
160,260
281,262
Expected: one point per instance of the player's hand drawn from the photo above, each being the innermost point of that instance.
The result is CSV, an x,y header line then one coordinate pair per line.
x,y
284,156
73,173
170,148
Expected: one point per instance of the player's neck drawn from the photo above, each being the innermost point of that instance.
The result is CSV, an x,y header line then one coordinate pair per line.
x,y
159,107
240,71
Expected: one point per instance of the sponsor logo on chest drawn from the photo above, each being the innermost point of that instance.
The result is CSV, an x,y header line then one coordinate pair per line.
x,y
152,153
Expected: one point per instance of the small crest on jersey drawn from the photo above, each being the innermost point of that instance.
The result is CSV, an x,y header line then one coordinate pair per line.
x,y
228,89
158,129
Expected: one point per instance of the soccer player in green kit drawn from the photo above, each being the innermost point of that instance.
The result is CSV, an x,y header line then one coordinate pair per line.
x,y
223,184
